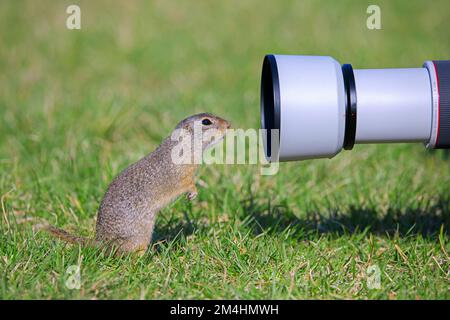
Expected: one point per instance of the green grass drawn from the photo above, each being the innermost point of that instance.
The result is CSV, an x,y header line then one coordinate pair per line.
x,y
76,107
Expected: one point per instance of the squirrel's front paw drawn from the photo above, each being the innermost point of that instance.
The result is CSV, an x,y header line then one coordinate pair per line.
x,y
192,195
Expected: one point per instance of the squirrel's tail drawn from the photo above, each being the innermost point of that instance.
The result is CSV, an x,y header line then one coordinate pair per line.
x,y
65,236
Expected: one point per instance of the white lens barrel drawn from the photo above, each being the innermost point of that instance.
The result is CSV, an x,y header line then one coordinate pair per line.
x,y
394,105
310,106
320,107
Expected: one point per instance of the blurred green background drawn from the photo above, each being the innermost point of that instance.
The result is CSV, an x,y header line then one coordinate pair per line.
x,y
77,106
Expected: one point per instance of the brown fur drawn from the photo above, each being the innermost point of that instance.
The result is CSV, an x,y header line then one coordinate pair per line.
x,y
127,213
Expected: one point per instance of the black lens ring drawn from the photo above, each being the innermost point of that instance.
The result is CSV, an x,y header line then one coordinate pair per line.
x,y
270,100
442,68
350,106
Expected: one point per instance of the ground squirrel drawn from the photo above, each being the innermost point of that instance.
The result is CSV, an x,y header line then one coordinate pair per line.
x,y
127,213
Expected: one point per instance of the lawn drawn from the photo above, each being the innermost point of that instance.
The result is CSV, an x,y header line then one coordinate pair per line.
x,y
78,106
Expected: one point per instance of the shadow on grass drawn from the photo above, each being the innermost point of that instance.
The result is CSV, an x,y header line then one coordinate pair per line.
x,y
406,221
172,229
443,154
267,218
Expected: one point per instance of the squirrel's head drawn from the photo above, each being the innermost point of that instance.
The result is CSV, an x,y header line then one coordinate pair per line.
x,y
211,127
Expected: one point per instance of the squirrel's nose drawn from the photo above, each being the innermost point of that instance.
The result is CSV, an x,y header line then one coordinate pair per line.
x,y
228,125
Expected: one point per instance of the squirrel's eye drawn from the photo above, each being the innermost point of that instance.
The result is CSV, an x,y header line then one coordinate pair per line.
x,y
206,122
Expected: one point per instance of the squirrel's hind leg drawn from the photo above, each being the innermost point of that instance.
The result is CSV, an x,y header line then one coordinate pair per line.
x,y
133,245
